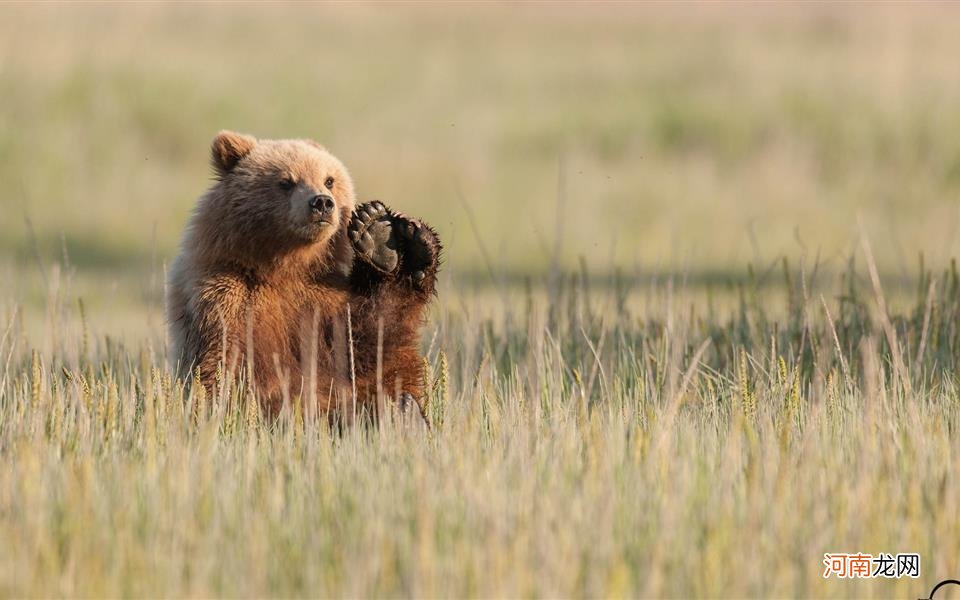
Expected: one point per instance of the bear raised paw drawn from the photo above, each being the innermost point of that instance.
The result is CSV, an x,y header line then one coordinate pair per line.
x,y
395,245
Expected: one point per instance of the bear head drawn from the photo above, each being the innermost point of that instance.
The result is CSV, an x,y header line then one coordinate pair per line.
x,y
274,199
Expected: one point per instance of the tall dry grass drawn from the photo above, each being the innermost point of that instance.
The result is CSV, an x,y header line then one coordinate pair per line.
x,y
579,448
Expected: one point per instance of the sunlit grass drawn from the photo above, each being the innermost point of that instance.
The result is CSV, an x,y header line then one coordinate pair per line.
x,y
687,139
579,448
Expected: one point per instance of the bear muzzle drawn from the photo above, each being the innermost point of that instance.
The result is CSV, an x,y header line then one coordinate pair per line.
x,y
321,206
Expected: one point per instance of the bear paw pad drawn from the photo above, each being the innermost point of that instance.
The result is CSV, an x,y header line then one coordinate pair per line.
x,y
371,232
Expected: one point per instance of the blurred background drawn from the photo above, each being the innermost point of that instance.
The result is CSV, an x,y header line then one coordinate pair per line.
x,y
647,140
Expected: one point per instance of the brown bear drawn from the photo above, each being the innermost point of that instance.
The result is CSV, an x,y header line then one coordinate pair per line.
x,y
282,278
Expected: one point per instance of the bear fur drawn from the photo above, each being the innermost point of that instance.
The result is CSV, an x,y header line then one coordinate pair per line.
x,y
276,258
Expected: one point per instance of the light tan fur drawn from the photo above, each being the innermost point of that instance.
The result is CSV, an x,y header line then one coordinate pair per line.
x,y
257,281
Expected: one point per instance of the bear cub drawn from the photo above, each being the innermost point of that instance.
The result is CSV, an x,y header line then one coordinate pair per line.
x,y
283,279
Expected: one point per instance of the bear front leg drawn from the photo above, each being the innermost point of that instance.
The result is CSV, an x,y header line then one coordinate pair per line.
x,y
394,276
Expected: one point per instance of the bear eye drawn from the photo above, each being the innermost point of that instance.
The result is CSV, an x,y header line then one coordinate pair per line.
x,y
287,184
329,183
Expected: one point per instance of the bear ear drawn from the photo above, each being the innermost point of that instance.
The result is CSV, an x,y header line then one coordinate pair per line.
x,y
228,148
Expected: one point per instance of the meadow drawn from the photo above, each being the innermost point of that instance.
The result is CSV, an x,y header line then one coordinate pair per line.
x,y
697,324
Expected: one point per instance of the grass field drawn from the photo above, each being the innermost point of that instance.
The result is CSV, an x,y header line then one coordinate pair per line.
x,y
579,448
697,324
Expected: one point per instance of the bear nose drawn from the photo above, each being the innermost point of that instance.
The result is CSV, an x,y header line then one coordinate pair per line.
x,y
322,203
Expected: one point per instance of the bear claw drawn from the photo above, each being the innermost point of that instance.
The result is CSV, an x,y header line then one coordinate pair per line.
x,y
390,241
370,230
